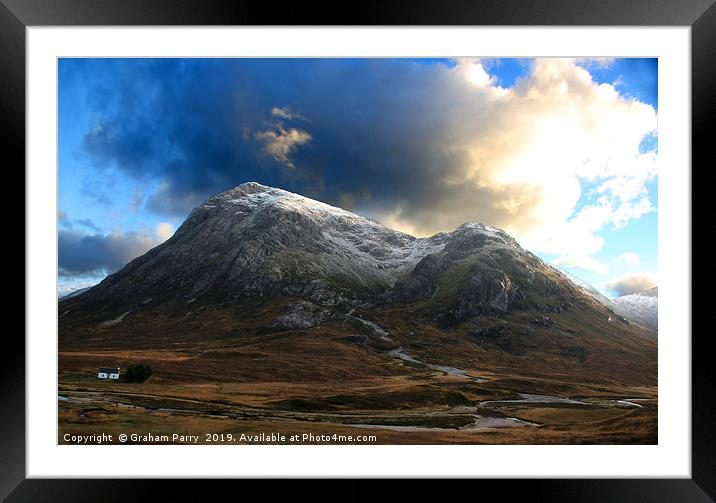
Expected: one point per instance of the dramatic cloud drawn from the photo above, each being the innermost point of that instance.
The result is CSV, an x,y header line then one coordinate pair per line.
x,y
83,254
555,159
632,283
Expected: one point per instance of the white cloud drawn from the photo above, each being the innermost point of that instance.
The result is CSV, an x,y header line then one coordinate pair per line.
x,y
632,283
473,71
630,258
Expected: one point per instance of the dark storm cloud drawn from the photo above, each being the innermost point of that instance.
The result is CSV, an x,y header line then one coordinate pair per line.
x,y
187,124
422,146
82,254
380,134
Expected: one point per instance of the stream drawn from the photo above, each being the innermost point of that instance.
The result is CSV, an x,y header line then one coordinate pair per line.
x,y
531,398
403,354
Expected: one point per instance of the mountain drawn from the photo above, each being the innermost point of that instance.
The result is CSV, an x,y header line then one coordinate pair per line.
x,y
642,307
260,241
260,267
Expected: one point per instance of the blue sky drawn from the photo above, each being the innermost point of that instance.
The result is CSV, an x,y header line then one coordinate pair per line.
x,y
560,153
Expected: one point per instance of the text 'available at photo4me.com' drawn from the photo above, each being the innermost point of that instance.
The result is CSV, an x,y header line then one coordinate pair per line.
x,y
217,438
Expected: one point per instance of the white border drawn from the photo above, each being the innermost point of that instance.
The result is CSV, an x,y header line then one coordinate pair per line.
x,y
670,458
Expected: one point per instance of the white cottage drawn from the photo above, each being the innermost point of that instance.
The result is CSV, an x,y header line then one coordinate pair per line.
x,y
108,373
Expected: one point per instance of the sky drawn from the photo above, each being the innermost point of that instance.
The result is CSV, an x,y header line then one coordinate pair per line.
x,y
560,153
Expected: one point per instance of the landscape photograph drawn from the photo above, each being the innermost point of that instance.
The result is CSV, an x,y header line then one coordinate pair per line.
x,y
357,251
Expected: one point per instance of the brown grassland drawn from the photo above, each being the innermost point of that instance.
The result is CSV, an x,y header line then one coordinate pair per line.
x,y
324,380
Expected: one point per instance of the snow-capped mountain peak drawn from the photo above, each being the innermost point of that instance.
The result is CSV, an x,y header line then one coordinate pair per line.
x,y
254,196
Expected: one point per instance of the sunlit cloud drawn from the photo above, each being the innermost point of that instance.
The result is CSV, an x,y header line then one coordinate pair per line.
x,y
475,72
164,231
280,143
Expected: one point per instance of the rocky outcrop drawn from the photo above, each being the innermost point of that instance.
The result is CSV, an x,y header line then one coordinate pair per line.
x,y
543,320
303,315
420,284
485,292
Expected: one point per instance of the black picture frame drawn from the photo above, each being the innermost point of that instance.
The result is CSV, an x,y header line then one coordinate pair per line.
x,y
16,15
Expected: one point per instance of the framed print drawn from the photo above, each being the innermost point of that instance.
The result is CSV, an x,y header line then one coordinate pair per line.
x,y
446,242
